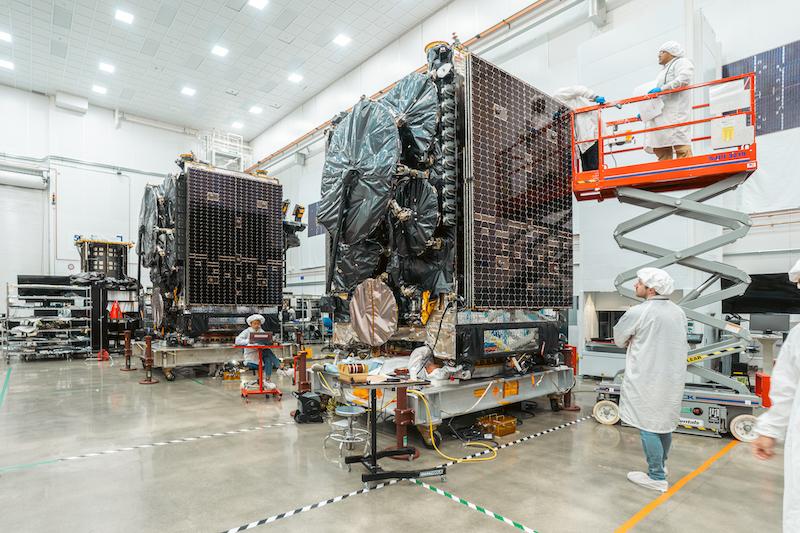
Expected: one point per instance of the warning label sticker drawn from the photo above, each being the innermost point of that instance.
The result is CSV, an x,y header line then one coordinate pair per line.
x,y
695,422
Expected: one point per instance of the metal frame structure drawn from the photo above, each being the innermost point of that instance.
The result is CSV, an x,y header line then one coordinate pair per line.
x,y
453,399
48,343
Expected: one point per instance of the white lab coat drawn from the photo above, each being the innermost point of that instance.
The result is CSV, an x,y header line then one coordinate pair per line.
x,y
782,420
655,366
243,339
417,360
677,106
575,97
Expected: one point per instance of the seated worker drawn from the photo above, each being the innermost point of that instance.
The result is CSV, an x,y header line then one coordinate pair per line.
x,y
271,362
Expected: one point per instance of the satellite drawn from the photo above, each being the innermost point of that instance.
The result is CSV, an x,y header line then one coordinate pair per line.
x,y
453,191
214,241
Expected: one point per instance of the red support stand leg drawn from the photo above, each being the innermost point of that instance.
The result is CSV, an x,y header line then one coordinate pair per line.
x,y
303,385
572,362
128,353
403,417
148,362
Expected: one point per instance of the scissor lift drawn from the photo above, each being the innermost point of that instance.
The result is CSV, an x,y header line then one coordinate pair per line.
x,y
719,404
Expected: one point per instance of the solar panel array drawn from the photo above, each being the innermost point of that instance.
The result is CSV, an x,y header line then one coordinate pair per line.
x,y
777,86
520,210
235,239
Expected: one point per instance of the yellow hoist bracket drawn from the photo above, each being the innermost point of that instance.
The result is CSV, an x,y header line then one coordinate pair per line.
x,y
428,307
298,213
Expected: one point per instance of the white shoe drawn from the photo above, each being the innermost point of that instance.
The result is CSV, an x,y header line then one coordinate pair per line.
x,y
643,480
270,386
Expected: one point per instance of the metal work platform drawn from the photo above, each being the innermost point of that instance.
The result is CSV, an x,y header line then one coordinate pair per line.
x,y
675,174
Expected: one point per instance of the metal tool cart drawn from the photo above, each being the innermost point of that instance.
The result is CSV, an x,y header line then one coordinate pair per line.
x,y
370,460
47,317
108,328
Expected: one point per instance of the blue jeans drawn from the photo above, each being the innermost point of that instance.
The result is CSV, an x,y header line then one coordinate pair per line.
x,y
270,361
656,448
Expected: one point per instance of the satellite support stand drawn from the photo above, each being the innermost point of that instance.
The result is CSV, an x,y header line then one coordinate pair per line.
x,y
661,206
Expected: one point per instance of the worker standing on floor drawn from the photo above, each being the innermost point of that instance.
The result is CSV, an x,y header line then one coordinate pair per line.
x,y
654,333
575,97
782,420
677,72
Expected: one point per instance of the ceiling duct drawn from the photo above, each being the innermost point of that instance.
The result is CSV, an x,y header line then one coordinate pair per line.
x,y
71,102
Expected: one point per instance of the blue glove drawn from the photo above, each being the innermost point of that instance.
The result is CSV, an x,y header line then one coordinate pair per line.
x,y
639,117
600,100
653,91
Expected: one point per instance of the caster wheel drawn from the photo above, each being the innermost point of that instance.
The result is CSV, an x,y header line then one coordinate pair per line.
x,y
742,428
437,438
170,376
606,412
555,405
443,479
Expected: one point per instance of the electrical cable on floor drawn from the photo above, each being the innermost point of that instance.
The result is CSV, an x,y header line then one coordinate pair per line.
x,y
493,449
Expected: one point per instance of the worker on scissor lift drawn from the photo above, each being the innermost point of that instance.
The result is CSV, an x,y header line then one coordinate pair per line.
x,y
783,420
574,97
654,333
677,72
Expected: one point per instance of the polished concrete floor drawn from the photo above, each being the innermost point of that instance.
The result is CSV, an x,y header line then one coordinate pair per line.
x,y
213,477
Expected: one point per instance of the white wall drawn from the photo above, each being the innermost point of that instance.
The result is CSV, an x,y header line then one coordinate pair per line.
x,y
97,176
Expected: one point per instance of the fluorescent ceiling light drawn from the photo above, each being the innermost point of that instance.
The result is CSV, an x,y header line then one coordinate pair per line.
x,y
220,51
258,4
99,89
256,110
107,67
123,16
5,36
6,64
188,91
295,77
237,125
342,39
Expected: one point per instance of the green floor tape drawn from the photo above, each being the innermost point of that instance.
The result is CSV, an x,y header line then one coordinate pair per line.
x,y
5,386
27,465
474,507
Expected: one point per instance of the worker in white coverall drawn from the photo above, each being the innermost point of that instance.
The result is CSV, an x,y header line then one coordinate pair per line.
x,y
654,333
677,72
269,360
575,97
782,420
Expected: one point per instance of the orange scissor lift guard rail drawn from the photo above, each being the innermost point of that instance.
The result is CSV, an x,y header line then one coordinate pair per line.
x,y
669,175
